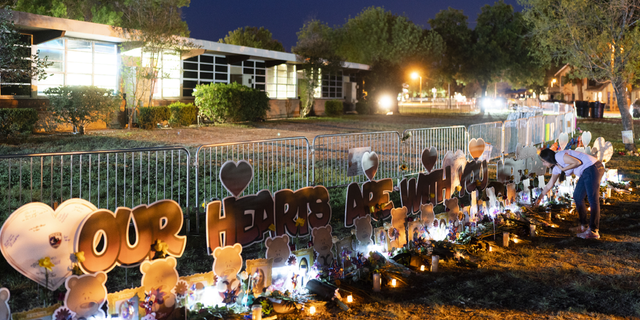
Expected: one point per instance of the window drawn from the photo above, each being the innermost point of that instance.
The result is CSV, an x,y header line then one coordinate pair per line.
x,y
332,85
202,69
281,82
20,87
80,62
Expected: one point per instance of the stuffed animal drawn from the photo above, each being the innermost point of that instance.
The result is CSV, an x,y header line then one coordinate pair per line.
x,y
278,249
86,294
322,244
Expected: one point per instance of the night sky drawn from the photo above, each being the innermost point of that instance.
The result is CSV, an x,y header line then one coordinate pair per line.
x,y
213,19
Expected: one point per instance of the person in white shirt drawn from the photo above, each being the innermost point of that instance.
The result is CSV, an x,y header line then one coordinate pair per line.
x,y
590,171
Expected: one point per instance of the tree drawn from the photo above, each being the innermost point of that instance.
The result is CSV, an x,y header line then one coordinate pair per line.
x,y
501,49
156,28
389,43
452,26
81,105
98,11
316,52
17,65
254,38
599,38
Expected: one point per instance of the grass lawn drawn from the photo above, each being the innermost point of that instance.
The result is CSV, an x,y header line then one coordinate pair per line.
x,y
553,275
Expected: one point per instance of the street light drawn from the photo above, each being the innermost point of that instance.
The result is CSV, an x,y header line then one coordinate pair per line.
x,y
414,76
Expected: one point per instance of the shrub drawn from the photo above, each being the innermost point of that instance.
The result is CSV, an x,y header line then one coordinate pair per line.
x,y
182,114
17,120
81,105
362,107
221,102
333,108
151,116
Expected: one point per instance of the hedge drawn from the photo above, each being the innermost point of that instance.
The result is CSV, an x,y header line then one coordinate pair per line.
x,y
362,107
333,108
151,116
182,114
16,121
221,102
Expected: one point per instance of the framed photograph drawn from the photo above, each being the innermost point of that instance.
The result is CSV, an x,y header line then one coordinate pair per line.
x,y
125,303
415,230
36,314
304,259
260,271
381,238
342,245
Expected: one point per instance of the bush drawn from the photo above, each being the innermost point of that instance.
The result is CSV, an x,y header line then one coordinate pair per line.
x,y
81,105
17,120
151,116
221,102
182,114
362,107
333,108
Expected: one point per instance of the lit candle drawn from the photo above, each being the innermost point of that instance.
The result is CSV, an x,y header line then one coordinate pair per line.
x,y
490,248
422,267
434,263
532,230
505,239
256,312
312,310
350,298
393,282
376,282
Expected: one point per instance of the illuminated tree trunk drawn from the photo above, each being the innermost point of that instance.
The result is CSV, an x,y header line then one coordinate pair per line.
x,y
627,121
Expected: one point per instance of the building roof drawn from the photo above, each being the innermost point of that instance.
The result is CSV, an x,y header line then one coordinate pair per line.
x,y
45,28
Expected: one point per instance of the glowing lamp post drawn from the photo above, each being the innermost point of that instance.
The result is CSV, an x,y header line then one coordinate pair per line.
x,y
414,76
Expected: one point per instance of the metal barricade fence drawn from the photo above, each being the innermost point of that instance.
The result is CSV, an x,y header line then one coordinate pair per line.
x,y
330,157
444,139
277,164
523,131
536,130
107,178
509,136
550,127
491,133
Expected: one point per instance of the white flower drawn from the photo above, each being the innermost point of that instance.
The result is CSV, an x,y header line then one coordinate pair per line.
x,y
335,239
353,232
244,275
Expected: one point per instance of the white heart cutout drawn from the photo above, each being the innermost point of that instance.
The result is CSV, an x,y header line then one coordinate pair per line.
x,y
563,139
370,164
35,231
603,150
586,138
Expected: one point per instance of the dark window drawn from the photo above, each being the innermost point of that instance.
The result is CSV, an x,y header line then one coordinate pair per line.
x,y
190,66
206,75
192,59
260,72
260,64
206,59
221,76
221,69
206,67
221,60
248,64
247,70
260,79
187,92
189,84
190,74
261,87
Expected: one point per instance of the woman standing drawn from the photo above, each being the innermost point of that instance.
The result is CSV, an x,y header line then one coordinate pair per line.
x,y
590,171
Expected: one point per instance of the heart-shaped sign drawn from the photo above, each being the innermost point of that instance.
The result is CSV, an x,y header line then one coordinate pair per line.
x,y
429,158
586,138
476,147
563,139
370,164
603,150
236,176
35,231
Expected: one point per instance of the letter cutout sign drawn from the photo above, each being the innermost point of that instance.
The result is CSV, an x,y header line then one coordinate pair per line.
x,y
161,220
246,219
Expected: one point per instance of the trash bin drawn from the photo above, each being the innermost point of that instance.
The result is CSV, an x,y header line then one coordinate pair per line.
x,y
590,110
601,110
597,110
579,107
